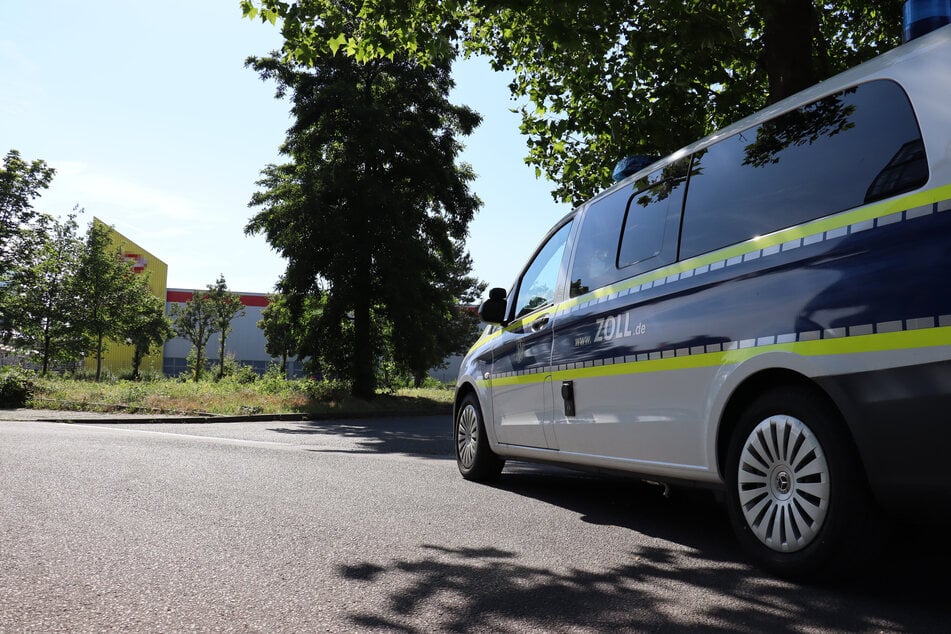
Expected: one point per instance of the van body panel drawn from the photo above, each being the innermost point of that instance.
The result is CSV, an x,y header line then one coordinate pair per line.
x,y
852,299
522,413
902,430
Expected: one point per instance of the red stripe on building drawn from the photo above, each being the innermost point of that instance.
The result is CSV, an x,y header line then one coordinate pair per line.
x,y
180,297
254,300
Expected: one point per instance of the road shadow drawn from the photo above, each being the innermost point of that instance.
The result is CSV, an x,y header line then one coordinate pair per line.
x,y
700,582
691,517
422,436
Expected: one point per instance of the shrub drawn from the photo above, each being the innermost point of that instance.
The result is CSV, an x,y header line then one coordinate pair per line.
x,y
235,371
326,390
243,375
432,383
132,392
191,360
273,381
17,386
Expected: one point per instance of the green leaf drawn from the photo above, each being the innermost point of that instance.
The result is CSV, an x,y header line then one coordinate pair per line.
x,y
248,10
337,42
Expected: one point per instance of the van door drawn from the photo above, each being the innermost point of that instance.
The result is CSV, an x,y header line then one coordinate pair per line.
x,y
520,382
603,328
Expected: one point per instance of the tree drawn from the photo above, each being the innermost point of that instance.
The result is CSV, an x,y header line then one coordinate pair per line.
x,y
110,291
20,184
226,306
43,300
146,326
428,339
610,78
279,330
372,203
282,329
195,321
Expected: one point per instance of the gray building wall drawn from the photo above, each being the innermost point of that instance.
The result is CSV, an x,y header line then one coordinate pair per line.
x,y
245,341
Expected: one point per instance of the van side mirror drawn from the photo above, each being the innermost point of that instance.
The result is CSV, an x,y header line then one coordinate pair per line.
x,y
492,310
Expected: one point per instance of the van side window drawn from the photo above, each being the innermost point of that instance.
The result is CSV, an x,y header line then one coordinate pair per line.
x,y
851,148
656,204
595,262
540,280
621,232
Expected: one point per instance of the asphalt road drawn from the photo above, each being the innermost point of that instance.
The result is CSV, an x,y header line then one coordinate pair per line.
x,y
366,526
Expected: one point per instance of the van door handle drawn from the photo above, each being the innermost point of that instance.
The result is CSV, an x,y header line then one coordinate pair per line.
x,y
540,323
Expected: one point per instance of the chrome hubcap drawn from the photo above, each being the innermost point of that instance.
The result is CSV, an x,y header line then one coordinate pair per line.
x,y
783,484
467,436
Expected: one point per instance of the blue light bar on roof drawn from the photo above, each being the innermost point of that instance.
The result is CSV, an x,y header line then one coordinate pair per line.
x,y
924,16
630,165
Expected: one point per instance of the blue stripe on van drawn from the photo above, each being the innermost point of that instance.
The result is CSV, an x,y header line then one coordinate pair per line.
x,y
857,280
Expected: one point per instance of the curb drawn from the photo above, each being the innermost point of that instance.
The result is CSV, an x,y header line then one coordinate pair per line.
x,y
249,418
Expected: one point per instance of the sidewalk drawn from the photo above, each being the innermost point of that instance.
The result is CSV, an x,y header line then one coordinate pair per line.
x,y
58,416
101,418
52,415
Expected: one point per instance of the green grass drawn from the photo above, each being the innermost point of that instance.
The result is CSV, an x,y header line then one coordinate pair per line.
x,y
264,396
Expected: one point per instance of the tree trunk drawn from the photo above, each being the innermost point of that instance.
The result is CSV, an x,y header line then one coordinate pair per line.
x,y
98,358
790,38
199,360
363,380
221,358
46,355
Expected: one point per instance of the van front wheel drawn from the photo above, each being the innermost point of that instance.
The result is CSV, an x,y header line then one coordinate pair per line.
x,y
474,456
797,496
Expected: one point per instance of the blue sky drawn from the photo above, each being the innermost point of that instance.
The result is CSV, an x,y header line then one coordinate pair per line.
x,y
154,125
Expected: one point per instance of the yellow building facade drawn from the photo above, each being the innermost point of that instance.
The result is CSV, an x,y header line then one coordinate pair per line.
x,y
118,357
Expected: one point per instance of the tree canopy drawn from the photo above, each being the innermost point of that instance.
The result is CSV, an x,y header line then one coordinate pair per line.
x,y
195,322
111,293
227,306
611,78
283,327
449,329
372,207
145,328
43,298
20,184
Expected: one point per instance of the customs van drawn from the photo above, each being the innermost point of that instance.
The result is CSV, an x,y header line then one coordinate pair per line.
x,y
765,312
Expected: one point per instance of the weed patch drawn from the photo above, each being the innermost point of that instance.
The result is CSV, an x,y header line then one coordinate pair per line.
x,y
237,396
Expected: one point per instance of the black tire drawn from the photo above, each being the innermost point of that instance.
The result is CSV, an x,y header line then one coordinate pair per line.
x,y
797,494
474,456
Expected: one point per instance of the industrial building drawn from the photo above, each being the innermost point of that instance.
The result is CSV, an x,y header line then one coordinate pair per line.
x,y
245,341
118,357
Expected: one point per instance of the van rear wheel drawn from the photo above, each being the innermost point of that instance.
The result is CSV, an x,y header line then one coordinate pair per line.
x,y
474,456
798,500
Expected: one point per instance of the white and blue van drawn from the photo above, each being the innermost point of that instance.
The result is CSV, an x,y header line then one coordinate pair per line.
x,y
766,312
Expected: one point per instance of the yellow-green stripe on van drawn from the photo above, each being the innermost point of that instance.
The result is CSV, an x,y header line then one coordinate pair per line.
x,y
902,340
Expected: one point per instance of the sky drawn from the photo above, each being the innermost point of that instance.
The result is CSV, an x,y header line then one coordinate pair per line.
x,y
155,127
